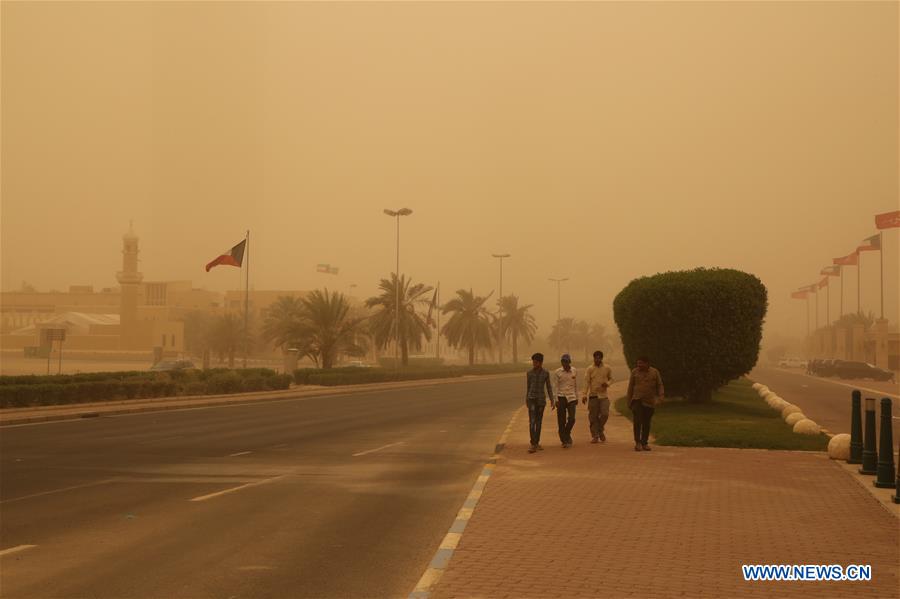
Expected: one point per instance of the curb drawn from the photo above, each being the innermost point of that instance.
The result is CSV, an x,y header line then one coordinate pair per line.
x,y
448,545
187,402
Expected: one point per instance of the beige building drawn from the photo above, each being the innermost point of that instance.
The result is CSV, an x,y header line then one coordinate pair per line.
x,y
137,315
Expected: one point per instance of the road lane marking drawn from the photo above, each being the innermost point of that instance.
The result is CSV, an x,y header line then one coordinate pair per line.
x,y
848,385
16,549
235,489
451,540
234,455
361,453
51,492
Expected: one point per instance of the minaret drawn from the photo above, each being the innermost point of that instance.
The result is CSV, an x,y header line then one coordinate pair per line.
x,y
129,280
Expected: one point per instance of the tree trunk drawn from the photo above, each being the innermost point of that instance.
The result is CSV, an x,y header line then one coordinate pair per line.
x,y
700,396
515,340
471,355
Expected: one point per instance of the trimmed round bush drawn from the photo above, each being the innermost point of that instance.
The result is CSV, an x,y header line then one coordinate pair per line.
x,y
789,409
839,447
807,427
794,417
701,328
762,390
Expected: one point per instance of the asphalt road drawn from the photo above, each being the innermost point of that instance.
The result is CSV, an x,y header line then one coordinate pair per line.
x,y
827,400
342,496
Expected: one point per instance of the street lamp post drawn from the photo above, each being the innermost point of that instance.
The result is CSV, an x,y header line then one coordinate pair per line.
x,y
397,214
500,304
558,296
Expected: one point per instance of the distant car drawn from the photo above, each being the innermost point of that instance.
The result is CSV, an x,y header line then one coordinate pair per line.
x,y
165,365
792,363
858,370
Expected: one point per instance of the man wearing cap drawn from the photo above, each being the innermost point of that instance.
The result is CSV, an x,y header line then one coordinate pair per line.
x,y
537,382
566,399
597,380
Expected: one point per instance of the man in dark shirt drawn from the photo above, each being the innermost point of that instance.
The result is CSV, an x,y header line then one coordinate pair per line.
x,y
537,383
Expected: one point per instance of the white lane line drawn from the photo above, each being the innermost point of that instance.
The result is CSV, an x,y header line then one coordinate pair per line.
x,y
356,455
234,489
16,549
234,455
879,393
51,492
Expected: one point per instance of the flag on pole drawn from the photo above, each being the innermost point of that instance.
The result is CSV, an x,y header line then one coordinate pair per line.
x,y
327,269
888,220
823,283
234,257
431,307
799,295
831,271
870,244
848,260
809,288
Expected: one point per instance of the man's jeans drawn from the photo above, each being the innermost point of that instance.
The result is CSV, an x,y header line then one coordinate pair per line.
x,y
598,414
535,418
641,416
564,409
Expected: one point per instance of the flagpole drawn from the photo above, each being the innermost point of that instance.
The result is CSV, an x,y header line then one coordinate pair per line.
x,y
881,257
807,316
858,278
841,275
247,301
438,332
817,309
828,303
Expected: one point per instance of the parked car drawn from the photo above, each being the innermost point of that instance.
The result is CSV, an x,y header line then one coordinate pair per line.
x,y
166,365
792,363
846,369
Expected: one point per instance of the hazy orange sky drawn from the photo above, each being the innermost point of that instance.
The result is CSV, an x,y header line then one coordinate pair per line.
x,y
595,141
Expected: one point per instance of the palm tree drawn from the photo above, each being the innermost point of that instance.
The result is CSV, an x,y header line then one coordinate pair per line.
x,y
226,336
517,322
563,334
470,325
327,328
282,322
412,326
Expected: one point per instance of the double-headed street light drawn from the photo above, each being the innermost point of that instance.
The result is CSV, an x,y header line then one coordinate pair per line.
x,y
397,214
500,304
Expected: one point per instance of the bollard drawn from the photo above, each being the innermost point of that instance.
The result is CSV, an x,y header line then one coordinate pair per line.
x,y
869,455
856,442
884,476
897,493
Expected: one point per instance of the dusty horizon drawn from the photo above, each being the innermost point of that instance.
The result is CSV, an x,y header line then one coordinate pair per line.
x,y
598,142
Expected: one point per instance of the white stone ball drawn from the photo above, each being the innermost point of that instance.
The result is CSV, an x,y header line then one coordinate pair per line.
x,y
789,409
762,390
779,404
771,398
839,447
807,427
755,386
794,417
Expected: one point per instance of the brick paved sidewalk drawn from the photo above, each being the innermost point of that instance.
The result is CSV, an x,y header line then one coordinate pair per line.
x,y
606,521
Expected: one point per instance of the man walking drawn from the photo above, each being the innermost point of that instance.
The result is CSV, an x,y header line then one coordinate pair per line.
x,y
645,392
597,380
537,382
566,399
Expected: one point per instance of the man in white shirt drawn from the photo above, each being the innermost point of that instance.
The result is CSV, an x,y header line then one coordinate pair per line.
x,y
566,399
597,380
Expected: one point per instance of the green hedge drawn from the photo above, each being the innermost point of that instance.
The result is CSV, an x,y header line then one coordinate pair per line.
x,y
701,328
71,389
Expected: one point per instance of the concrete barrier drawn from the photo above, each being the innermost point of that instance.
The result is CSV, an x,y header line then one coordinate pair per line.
x,y
789,409
794,417
839,447
807,427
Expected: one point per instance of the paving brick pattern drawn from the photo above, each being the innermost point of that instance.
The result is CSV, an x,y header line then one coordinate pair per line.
x,y
605,521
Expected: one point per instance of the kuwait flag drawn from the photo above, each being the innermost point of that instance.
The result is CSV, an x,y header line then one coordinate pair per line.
x,y
799,295
848,260
234,257
327,269
831,271
870,244
888,220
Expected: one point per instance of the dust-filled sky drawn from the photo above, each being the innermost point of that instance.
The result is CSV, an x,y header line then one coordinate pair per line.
x,y
595,141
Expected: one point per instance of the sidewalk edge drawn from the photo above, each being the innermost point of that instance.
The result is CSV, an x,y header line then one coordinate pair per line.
x,y
448,545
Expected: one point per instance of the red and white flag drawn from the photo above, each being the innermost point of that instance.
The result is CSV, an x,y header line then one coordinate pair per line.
x,y
234,257
799,295
870,244
888,220
848,260
823,283
831,271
